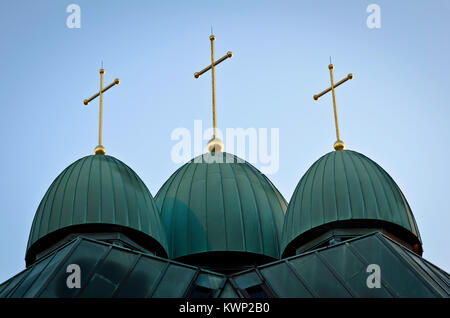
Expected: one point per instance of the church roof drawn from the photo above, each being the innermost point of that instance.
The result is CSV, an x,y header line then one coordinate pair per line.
x,y
336,271
219,202
346,185
96,190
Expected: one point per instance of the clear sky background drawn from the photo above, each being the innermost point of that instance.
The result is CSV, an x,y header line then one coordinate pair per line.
x,y
395,110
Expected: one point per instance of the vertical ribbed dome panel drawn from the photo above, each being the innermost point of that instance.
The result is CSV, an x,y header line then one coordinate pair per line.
x,y
97,190
226,205
345,185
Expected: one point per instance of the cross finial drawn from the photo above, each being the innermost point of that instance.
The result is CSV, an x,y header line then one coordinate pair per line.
x,y
100,150
339,144
215,144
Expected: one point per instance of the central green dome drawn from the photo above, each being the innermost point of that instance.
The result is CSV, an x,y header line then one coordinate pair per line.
x,y
96,194
221,203
345,189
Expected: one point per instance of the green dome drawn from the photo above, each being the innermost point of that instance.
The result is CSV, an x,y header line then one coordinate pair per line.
x,y
101,191
222,206
347,186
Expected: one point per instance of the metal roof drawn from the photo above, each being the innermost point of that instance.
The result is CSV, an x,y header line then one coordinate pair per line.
x,y
219,202
97,190
336,271
345,185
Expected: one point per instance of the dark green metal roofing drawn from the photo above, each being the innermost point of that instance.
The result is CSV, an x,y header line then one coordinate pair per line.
x,y
336,271
219,202
345,185
108,271
97,190
340,271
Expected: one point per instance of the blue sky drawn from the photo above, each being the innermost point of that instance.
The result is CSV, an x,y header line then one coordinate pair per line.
x,y
395,110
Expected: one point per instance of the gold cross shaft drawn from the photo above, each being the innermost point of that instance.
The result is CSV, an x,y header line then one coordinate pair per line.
x,y
100,150
214,144
339,144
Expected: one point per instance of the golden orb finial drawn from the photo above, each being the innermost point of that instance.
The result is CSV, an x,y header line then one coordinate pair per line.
x,y
215,145
100,150
339,145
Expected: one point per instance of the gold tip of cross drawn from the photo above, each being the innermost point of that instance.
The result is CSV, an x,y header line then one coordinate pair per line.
x,y
100,150
339,145
215,145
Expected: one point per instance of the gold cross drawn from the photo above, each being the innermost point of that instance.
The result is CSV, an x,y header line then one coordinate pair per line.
x,y
215,144
100,150
339,144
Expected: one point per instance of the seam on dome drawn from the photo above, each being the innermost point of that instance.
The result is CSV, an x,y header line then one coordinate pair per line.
x,y
146,215
189,238
173,211
372,186
323,189
150,204
133,182
289,217
169,185
76,188
108,163
72,168
240,207
224,210
334,183
100,177
87,189
117,162
258,210
364,214
376,172
280,199
277,237
302,195
53,200
408,212
206,207
406,207
39,214
348,187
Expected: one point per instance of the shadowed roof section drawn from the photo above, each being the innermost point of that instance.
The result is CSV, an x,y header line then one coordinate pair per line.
x,y
99,190
339,271
346,185
219,202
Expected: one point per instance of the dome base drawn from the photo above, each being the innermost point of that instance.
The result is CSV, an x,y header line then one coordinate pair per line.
x,y
226,262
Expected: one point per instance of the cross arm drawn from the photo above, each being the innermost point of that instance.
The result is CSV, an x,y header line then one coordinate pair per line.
x,y
116,82
349,77
223,58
